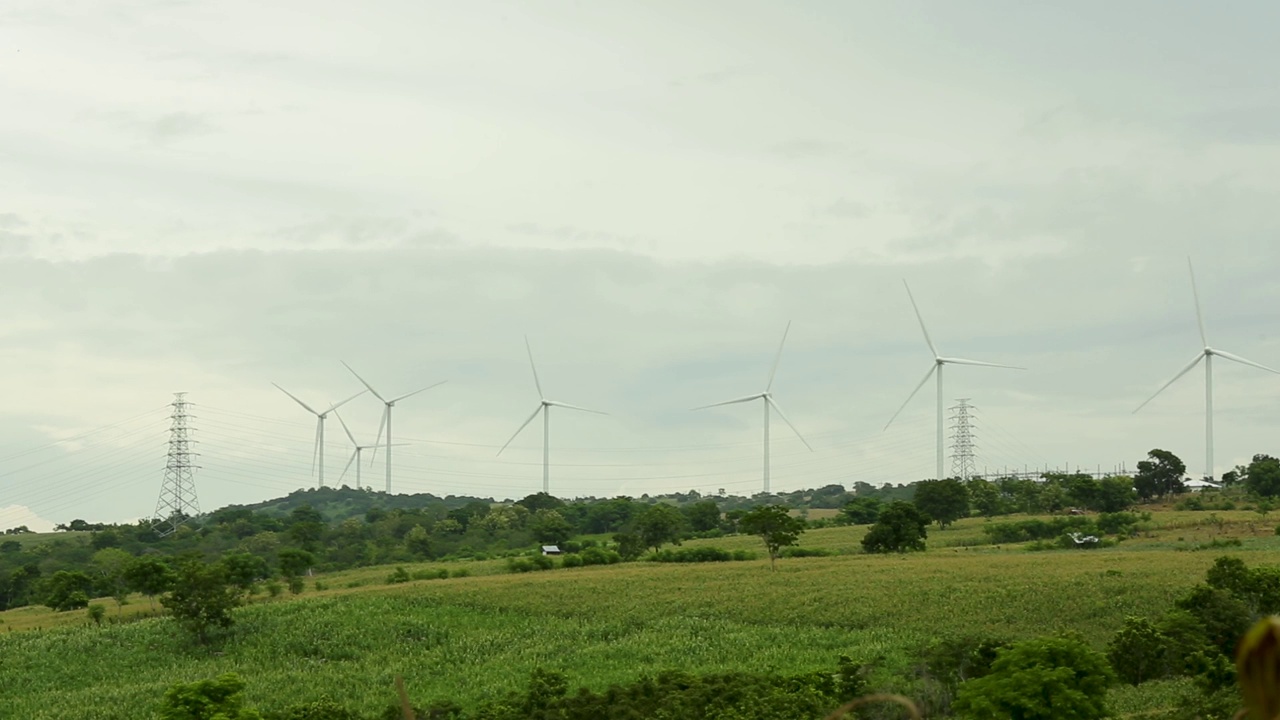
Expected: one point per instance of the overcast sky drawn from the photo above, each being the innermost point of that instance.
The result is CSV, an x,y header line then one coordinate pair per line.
x,y
213,196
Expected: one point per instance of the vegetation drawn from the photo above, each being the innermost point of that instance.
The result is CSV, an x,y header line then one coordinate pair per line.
x,y
773,525
899,528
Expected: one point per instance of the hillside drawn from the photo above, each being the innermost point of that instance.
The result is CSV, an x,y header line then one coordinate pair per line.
x,y
470,639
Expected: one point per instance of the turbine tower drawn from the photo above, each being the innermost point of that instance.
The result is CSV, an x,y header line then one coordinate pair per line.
x,y
318,452
544,407
769,403
938,362
355,456
1207,355
386,417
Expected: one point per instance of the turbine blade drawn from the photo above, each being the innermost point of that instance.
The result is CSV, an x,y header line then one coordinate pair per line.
x,y
315,450
362,381
774,370
415,392
912,395
381,424
774,404
536,383
979,363
575,407
345,428
522,427
735,401
920,317
1243,361
295,399
347,466
1182,372
1195,293
335,406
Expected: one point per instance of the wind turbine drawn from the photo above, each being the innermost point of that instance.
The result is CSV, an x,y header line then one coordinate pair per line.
x,y
355,456
386,416
938,362
544,407
769,403
320,416
1206,355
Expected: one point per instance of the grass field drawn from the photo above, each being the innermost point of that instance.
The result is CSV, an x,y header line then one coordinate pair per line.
x,y
477,637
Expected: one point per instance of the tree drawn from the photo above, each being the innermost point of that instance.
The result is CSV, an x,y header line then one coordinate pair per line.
x,y
860,511
985,498
550,528
900,527
67,590
1056,678
703,516
306,526
659,524
1263,476
540,501
217,699
295,561
1115,494
630,546
1159,475
943,500
96,613
202,598
243,569
418,541
775,526
109,564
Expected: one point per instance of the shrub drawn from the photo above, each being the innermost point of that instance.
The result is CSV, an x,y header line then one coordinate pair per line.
x,y
698,554
399,575
460,572
1118,523
1056,678
96,613
571,561
217,699
796,552
1223,616
600,556
297,585
1139,652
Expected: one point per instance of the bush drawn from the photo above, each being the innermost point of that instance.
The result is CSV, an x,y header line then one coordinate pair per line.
x,y
1027,530
797,552
1057,678
399,575
530,563
698,554
571,561
217,699
297,585
96,613
899,528
1139,652
460,573
600,556
1118,523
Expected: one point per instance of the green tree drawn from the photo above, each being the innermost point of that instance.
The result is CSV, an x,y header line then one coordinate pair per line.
x,y
306,526
109,565
218,699
67,590
1115,494
703,516
775,526
1263,476
550,528
202,599
901,527
540,501
943,500
860,511
418,541
1056,678
1159,475
1139,651
659,524
243,570
295,561
985,497
96,613
630,545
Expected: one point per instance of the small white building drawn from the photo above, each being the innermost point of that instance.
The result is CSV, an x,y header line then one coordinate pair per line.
x,y
1198,485
550,550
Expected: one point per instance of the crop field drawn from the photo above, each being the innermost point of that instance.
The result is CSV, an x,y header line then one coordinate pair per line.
x,y
475,638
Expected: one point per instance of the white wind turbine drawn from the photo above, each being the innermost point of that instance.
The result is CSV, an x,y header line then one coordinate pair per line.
x,y
938,362
1207,355
318,452
544,407
355,455
386,417
769,403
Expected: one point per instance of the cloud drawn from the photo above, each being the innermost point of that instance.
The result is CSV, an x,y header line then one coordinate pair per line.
x,y
12,516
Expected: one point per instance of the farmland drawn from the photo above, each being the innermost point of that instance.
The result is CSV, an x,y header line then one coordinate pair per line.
x,y
474,638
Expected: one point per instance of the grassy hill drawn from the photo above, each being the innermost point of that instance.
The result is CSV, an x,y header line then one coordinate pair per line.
x,y
474,638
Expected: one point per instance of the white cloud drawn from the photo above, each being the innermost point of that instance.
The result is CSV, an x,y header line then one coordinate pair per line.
x,y
13,516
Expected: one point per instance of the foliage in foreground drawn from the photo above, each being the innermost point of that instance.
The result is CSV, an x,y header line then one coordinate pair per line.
x,y
1044,679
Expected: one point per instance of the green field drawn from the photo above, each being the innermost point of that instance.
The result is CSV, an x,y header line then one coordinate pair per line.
x,y
474,638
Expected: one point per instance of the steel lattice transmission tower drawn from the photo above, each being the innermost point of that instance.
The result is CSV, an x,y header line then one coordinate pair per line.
x,y
962,441
178,502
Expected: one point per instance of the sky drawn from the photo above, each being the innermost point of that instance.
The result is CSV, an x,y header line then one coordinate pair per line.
x,y
211,197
